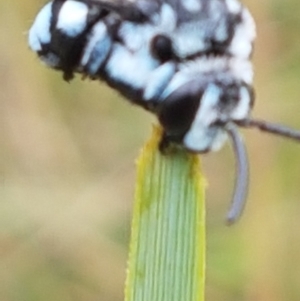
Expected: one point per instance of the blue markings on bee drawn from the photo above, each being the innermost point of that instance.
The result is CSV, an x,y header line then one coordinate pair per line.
x,y
96,50
186,61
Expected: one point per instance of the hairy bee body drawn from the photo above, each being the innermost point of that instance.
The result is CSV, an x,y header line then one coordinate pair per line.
x,y
186,61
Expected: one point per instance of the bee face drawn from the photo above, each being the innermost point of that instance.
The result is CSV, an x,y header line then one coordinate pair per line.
x,y
197,105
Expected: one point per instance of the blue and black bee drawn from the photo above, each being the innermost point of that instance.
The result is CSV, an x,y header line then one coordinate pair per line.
x,y
187,61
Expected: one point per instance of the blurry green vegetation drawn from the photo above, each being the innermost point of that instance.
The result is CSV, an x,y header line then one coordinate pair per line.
x,y
67,174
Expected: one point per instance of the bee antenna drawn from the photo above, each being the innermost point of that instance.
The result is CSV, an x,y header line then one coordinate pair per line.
x,y
242,174
273,128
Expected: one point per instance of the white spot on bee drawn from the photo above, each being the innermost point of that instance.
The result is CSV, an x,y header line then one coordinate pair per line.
x,y
179,79
168,18
158,79
72,18
135,36
97,47
190,38
201,136
242,69
233,6
98,33
221,32
241,44
39,32
130,68
192,5
239,69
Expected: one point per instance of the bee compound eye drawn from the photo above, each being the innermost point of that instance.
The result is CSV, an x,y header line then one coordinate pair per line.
x,y
179,109
161,47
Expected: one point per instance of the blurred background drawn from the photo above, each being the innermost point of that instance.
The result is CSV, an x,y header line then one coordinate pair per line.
x,y
67,172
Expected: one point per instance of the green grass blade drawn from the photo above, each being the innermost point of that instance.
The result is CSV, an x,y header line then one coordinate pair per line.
x,y
167,249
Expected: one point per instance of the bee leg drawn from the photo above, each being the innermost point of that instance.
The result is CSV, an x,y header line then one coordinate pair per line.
x,y
164,144
168,144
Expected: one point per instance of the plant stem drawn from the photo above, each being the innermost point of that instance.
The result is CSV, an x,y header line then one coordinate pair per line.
x,y
167,249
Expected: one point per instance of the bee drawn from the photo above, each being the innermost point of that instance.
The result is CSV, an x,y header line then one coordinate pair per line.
x,y
186,61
